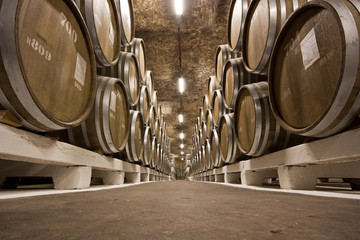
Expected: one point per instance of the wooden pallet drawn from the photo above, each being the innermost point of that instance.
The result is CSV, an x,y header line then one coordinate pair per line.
x,y
298,167
26,154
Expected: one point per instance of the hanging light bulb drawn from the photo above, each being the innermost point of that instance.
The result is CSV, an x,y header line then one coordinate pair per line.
x,y
179,6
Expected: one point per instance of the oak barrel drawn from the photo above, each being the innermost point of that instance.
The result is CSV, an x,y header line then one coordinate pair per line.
x,y
107,127
215,149
228,142
127,23
152,119
47,68
211,86
209,122
148,147
154,153
217,106
209,164
256,129
149,82
262,24
234,76
144,104
314,76
223,53
127,70
102,20
237,14
155,102
134,146
137,47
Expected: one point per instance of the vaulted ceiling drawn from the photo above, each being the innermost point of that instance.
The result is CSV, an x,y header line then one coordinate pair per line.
x,y
203,26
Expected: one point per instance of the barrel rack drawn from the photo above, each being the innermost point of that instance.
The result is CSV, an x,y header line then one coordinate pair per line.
x,y
298,167
25,154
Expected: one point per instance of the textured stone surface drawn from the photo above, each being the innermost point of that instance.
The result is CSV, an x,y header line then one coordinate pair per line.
x,y
203,27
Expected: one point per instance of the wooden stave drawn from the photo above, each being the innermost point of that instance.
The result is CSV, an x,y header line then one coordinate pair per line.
x,y
273,28
24,105
132,153
147,146
245,5
201,114
324,126
126,40
144,104
87,10
92,133
138,45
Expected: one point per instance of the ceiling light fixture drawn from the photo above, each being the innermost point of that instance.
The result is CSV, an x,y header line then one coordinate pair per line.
x,y
181,118
182,153
179,6
181,85
181,146
182,135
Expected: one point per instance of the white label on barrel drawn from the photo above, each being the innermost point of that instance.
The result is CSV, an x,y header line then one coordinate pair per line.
x,y
111,35
309,49
80,70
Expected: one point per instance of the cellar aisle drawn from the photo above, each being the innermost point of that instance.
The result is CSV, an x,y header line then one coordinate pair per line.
x,y
179,210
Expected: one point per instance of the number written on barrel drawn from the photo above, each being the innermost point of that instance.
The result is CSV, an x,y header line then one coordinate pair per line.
x,y
32,42
68,27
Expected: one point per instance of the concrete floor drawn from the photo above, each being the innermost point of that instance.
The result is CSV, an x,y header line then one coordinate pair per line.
x,y
179,210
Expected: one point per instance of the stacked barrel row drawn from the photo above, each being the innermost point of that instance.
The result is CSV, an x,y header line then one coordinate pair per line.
x,y
49,77
290,70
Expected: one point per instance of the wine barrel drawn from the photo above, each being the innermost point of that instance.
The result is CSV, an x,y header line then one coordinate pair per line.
x,y
223,53
262,24
148,147
144,104
209,123
149,82
202,159
155,102
234,76
127,70
137,47
314,76
152,119
102,20
228,142
256,129
211,86
237,14
203,132
154,153
157,129
159,156
127,24
218,106
106,128
215,149
134,146
209,164
206,103
47,68
201,114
